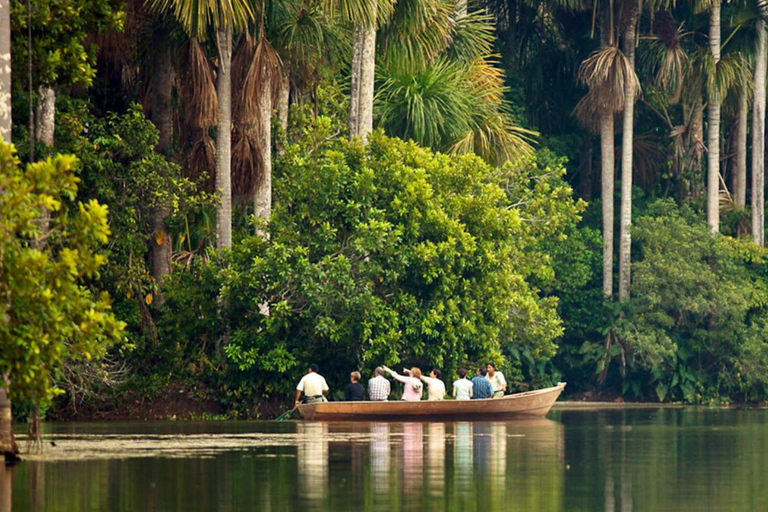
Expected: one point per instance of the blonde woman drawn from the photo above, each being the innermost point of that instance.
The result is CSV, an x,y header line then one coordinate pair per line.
x,y
413,386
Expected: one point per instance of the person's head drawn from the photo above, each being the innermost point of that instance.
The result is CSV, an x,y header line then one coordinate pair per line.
x,y
416,372
313,368
462,373
379,372
482,371
435,373
355,377
491,368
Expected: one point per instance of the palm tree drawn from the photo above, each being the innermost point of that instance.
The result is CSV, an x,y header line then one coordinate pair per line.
x,y
713,124
363,64
631,92
197,17
162,117
758,132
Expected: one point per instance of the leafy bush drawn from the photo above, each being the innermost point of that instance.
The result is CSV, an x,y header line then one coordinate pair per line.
x,y
695,328
387,253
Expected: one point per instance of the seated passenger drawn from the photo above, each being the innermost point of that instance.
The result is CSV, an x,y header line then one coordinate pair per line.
x,y
413,386
378,386
462,388
355,391
481,387
435,386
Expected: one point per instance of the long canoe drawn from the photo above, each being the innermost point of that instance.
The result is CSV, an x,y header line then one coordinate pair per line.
x,y
519,405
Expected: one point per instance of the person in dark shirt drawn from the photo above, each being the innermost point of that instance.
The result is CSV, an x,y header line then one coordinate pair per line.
x,y
482,386
355,391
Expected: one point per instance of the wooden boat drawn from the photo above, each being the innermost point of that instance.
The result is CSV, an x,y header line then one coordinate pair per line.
x,y
519,405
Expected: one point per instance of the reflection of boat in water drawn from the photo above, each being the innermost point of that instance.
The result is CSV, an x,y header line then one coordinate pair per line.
x,y
530,403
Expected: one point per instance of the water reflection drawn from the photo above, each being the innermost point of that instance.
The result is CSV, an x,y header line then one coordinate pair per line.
x,y
6,486
436,460
312,455
413,459
587,460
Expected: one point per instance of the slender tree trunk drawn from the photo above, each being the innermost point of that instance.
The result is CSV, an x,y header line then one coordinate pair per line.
x,y
607,180
224,141
758,138
5,70
162,117
262,202
45,115
284,98
354,98
625,237
740,167
713,129
367,75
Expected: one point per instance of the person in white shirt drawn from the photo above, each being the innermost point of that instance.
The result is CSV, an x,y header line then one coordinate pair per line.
x,y
313,386
462,388
435,386
498,383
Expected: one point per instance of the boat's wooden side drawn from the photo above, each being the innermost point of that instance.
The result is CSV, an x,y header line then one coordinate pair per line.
x,y
528,404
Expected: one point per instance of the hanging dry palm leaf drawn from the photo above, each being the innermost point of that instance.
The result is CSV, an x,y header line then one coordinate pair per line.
x,y
264,68
247,162
201,160
606,72
198,94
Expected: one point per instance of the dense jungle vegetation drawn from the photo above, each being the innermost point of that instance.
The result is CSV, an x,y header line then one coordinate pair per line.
x,y
573,189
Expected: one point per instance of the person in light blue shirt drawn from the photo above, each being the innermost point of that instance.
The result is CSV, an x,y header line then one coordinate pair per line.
x,y
462,388
481,387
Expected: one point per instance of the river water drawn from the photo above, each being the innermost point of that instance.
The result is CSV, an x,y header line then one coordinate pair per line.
x,y
575,460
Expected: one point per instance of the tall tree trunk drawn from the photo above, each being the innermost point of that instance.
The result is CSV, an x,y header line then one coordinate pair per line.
x,y
758,138
607,185
627,140
5,70
162,117
713,128
45,115
363,75
367,75
740,164
262,201
356,73
224,140
284,98
8,446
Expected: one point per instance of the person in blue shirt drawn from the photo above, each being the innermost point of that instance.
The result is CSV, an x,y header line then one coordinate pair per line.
x,y
480,385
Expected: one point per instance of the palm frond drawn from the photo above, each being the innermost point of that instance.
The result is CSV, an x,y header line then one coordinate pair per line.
x,y
473,36
198,94
197,16
605,73
418,31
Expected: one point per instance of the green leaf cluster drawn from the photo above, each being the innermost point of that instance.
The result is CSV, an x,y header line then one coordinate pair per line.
x,y
50,247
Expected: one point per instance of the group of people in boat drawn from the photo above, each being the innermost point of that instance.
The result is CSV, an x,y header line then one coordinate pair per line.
x,y
488,382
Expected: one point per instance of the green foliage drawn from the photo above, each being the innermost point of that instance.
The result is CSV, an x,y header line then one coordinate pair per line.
x,y
382,254
132,179
63,38
695,328
49,315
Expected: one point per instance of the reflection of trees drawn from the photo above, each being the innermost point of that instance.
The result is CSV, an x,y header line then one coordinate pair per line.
x,y
312,461
6,486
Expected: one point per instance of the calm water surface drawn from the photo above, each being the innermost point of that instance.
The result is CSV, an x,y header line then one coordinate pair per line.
x,y
612,460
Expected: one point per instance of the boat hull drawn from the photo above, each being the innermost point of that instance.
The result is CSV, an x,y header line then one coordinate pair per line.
x,y
520,405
